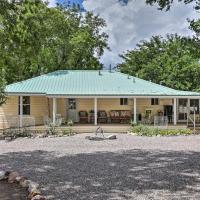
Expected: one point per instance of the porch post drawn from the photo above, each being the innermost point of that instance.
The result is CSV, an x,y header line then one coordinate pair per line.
x,y
135,111
175,111
188,110
54,110
95,111
21,111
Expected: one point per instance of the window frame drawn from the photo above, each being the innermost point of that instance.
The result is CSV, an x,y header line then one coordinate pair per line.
x,y
155,101
24,105
192,105
72,104
123,101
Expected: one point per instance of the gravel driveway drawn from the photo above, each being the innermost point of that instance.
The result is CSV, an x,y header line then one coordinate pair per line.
x,y
127,168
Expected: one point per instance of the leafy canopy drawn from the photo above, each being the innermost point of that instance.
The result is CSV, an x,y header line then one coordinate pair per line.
x,y
36,39
166,4
173,62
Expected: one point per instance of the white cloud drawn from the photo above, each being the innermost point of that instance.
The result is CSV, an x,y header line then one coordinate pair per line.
x,y
128,24
52,3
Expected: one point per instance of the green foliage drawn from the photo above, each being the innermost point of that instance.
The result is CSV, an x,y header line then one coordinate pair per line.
x,y
52,129
132,123
68,131
166,4
142,130
173,62
36,39
2,87
69,122
195,26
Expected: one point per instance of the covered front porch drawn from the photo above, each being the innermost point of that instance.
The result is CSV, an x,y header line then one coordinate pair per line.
x,y
157,111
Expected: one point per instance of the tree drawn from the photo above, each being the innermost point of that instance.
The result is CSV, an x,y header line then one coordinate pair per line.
x,y
37,39
166,4
173,62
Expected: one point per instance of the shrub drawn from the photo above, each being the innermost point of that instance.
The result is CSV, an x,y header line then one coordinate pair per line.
x,y
70,122
68,131
142,130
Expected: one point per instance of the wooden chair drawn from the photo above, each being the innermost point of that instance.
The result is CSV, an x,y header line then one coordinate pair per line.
x,y
125,116
83,117
115,116
102,116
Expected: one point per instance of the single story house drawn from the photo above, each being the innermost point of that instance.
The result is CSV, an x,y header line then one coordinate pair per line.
x,y
91,95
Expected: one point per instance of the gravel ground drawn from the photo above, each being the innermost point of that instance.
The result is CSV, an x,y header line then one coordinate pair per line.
x,y
161,168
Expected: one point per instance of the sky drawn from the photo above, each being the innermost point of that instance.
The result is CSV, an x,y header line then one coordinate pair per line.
x,y
128,24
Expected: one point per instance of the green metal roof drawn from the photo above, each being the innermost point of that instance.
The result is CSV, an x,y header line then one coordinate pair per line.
x,y
91,83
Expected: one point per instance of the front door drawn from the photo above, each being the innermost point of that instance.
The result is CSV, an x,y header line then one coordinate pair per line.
x,y
168,112
182,110
72,110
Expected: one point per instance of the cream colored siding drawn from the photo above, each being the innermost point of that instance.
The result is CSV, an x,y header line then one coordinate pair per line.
x,y
85,104
61,107
143,104
39,109
114,104
7,110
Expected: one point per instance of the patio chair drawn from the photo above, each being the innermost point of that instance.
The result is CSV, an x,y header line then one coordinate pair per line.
x,y
91,116
83,117
125,116
115,116
102,116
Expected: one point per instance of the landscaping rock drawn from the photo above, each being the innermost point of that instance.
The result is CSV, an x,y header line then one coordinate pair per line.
x,y
12,177
32,186
38,197
34,193
44,135
18,178
95,138
24,182
2,175
112,137
8,138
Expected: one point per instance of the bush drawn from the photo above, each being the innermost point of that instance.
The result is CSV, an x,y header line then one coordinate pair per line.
x,y
69,122
68,131
142,130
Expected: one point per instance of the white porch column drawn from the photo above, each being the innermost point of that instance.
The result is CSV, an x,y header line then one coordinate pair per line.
x,y
188,110
21,111
175,111
54,110
95,111
135,110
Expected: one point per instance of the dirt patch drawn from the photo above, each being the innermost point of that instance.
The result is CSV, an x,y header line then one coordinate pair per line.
x,y
10,191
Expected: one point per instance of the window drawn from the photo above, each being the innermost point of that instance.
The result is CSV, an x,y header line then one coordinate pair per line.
x,y
72,104
154,101
123,101
194,103
26,105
